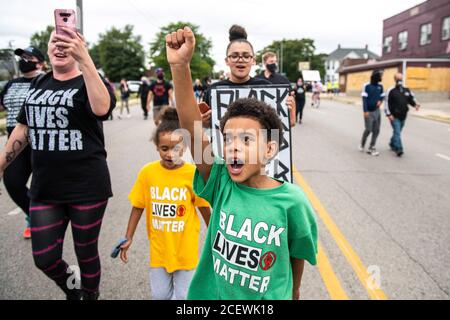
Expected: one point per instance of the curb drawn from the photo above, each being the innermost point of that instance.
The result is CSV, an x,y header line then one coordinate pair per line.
x,y
433,118
428,117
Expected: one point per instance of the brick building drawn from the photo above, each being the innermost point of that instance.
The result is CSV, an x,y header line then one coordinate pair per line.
x,y
420,32
416,42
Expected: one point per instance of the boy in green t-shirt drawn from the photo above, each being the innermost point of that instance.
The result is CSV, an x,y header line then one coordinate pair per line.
x,y
261,229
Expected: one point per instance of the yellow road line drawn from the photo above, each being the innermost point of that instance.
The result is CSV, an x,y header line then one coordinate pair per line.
x,y
330,279
361,271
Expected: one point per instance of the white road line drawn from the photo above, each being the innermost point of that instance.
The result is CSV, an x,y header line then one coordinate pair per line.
x,y
14,212
443,156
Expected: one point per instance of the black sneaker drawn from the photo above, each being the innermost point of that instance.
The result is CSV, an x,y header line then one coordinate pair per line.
x,y
90,295
399,153
74,294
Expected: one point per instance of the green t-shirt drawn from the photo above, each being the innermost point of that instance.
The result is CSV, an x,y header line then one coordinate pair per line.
x,y
252,235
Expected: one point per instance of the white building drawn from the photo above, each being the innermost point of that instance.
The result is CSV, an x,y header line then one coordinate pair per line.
x,y
334,60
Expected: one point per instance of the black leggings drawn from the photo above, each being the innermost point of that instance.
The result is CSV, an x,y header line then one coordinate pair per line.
x,y
299,111
144,105
16,177
48,227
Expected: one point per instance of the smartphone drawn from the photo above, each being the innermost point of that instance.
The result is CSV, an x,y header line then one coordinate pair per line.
x,y
203,106
116,248
65,18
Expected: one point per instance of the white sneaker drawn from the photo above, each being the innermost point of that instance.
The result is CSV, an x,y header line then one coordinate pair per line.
x,y
128,115
372,151
361,148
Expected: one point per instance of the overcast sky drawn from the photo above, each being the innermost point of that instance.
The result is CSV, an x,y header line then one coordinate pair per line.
x,y
351,23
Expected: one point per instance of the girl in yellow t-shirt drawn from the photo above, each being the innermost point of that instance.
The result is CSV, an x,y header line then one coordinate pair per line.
x,y
164,190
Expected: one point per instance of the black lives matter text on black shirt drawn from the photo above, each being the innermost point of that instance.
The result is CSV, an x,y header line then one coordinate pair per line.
x,y
69,156
160,92
12,98
250,82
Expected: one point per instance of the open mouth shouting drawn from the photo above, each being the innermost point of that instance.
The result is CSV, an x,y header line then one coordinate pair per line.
x,y
235,166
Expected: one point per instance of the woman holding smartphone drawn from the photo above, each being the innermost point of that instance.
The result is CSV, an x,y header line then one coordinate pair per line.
x,y
62,122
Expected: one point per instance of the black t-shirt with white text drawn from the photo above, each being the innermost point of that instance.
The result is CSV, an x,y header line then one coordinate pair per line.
x,y
67,142
12,98
160,92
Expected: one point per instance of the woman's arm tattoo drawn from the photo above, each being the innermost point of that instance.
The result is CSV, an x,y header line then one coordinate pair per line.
x,y
16,148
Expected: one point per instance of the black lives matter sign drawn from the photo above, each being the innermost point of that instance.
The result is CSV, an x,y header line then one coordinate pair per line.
x,y
274,95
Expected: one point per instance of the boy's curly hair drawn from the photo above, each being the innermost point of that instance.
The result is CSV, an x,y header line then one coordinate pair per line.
x,y
259,111
169,123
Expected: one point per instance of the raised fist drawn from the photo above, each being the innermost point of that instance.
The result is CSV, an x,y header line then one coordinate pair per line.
x,y
180,46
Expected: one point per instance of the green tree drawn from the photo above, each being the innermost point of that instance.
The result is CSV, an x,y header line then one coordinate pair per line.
x,y
94,52
202,63
40,40
295,51
119,53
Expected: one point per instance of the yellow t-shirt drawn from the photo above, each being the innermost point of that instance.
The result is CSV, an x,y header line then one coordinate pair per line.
x,y
173,225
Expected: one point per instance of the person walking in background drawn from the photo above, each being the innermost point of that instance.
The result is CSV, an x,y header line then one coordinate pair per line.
x,y
373,96
112,88
161,94
316,91
124,96
198,90
300,99
396,108
271,74
329,87
144,89
335,88
12,97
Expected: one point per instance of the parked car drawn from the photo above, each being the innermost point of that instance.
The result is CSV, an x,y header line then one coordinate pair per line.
x,y
134,85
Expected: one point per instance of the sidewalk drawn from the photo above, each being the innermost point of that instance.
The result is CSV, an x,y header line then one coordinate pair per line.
x,y
439,111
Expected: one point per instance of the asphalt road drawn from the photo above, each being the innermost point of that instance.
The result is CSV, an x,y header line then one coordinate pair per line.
x,y
394,213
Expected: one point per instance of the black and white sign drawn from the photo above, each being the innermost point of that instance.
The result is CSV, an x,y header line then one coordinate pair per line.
x,y
274,95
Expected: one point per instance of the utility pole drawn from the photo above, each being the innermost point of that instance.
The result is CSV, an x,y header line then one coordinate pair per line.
x,y
281,58
80,15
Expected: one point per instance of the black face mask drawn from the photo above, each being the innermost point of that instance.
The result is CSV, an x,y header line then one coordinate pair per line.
x,y
27,66
272,67
160,76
